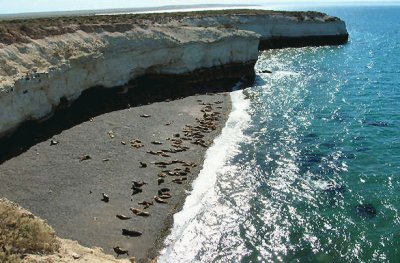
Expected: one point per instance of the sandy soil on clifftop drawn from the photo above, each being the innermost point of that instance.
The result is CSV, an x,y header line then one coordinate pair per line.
x,y
24,30
58,184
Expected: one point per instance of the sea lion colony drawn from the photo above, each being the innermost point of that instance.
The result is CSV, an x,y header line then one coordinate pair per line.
x,y
174,170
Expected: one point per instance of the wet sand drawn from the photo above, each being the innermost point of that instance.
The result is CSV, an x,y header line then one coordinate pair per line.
x,y
55,183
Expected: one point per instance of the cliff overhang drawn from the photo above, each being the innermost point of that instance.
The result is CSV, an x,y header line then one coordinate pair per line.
x,y
47,62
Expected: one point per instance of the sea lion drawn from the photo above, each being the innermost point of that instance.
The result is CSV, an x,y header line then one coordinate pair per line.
x,y
53,142
156,142
160,163
139,212
366,210
138,184
131,233
179,180
123,217
159,200
137,145
163,191
105,198
145,115
111,134
84,158
190,164
120,251
143,165
165,196
145,204
375,123
160,181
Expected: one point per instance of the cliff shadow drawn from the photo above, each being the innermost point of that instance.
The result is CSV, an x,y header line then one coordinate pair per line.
x,y
143,90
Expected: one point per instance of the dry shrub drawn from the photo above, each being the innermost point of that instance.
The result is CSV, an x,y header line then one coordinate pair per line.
x,y
22,233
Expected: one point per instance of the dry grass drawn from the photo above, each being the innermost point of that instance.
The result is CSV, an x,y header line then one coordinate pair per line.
x,y
22,30
22,233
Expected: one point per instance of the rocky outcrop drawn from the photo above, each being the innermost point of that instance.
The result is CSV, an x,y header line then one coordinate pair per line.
x,y
46,62
281,29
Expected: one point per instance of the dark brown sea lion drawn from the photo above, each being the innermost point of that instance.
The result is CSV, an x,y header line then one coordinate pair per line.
x,y
105,198
120,251
53,142
138,184
84,158
131,233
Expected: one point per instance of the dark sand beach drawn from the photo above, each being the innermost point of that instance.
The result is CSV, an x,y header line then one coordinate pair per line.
x,y
57,184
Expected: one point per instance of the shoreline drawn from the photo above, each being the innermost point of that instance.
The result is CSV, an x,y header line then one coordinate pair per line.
x,y
160,243
90,134
67,192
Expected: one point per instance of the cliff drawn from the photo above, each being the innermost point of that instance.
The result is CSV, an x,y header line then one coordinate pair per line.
x,y
281,29
48,62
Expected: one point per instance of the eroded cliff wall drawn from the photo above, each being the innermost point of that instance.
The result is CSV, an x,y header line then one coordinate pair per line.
x,y
36,76
276,30
46,62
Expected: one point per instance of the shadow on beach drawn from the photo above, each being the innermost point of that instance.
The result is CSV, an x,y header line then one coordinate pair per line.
x,y
98,100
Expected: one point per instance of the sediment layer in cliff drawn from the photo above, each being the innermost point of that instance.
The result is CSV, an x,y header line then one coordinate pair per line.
x,y
44,62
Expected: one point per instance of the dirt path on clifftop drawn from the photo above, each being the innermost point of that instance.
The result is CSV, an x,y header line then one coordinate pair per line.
x,y
62,179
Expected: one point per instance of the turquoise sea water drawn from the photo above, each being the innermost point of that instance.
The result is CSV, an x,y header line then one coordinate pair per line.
x,y
308,167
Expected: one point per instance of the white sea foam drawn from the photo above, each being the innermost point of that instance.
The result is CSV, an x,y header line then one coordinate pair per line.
x,y
185,241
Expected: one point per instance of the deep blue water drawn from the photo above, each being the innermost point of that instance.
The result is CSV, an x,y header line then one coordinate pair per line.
x,y
313,174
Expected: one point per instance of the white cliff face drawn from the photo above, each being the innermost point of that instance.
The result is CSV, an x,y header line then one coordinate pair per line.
x,y
273,26
35,76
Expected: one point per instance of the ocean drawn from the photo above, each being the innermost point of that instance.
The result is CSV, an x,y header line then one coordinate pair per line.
x,y
307,168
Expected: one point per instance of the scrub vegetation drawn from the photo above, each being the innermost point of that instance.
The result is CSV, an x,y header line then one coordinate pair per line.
x,y
22,233
22,30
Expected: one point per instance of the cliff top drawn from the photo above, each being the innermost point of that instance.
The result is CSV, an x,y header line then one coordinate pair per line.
x,y
22,30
